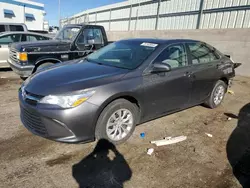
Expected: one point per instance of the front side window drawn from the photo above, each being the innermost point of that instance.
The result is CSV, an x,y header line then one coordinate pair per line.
x,y
10,39
91,34
175,56
68,33
123,54
201,53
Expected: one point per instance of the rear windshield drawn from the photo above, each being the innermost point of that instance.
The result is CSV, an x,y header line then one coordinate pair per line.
x,y
123,54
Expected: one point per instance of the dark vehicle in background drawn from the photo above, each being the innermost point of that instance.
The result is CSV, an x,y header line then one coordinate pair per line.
x,y
121,85
7,38
71,42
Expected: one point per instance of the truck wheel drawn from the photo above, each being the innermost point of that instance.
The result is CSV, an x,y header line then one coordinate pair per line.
x,y
117,121
44,65
217,95
23,78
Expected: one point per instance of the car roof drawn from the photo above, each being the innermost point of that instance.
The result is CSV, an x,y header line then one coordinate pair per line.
x,y
160,41
22,32
74,25
80,25
9,23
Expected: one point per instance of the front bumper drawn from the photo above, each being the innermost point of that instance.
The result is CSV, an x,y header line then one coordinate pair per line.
x,y
23,71
63,125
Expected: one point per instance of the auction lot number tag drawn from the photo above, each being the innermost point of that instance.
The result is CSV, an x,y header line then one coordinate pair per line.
x,y
147,44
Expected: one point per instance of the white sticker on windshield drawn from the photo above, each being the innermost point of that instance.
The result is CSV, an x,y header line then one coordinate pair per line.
x,y
149,44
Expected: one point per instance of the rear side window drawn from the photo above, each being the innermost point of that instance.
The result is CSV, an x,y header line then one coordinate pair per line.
x,y
200,53
31,38
16,28
35,38
2,28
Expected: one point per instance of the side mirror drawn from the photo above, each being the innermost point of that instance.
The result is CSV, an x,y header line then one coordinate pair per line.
x,y
91,42
160,67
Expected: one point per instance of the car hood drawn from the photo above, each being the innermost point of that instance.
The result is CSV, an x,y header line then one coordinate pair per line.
x,y
42,46
72,76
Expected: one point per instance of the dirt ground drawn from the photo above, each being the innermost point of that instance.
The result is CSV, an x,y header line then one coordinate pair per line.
x,y
200,161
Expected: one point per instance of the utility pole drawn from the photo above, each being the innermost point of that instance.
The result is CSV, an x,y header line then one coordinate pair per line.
x,y
24,14
59,13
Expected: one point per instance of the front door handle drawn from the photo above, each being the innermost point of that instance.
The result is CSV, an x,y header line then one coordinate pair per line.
x,y
188,74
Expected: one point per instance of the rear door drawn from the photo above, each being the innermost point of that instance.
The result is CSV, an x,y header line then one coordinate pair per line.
x,y
4,43
205,73
169,91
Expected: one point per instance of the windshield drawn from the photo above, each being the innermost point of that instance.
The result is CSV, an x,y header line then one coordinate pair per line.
x,y
67,33
123,54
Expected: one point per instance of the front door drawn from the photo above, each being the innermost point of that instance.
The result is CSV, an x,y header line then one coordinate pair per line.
x,y
205,73
169,91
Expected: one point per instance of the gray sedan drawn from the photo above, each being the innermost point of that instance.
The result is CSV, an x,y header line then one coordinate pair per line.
x,y
7,38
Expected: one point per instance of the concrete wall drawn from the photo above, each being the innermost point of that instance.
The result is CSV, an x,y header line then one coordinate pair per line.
x,y
235,42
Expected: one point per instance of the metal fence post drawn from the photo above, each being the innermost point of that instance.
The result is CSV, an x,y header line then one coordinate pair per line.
x,y
137,16
95,17
130,13
110,11
200,14
157,16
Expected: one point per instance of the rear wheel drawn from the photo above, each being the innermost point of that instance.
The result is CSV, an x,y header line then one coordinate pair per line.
x,y
117,121
217,95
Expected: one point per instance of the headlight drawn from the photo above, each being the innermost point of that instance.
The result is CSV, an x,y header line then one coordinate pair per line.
x,y
67,101
22,56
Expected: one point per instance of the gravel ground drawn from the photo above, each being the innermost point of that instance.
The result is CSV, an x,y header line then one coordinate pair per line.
x,y
200,161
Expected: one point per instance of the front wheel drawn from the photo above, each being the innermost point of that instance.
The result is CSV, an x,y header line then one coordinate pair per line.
x,y
217,95
23,78
44,65
117,121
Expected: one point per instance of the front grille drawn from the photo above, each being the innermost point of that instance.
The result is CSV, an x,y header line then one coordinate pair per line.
x,y
13,55
33,122
31,102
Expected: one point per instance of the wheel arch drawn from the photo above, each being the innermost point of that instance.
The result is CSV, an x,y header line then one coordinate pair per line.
x,y
44,60
127,96
225,80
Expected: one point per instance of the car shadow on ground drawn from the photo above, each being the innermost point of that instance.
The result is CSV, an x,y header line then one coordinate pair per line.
x,y
99,170
7,69
238,146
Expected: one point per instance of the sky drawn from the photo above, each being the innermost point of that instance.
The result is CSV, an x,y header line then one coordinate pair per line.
x,y
70,7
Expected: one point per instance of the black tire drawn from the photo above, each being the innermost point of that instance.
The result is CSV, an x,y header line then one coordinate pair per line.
x,y
210,102
44,65
100,131
23,78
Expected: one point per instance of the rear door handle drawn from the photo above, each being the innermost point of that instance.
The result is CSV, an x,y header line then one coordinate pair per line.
x,y
188,74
